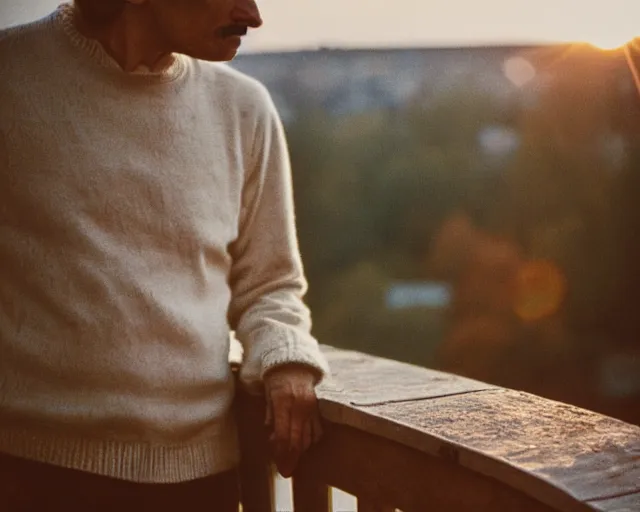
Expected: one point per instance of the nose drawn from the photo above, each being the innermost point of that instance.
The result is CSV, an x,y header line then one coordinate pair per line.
x,y
246,12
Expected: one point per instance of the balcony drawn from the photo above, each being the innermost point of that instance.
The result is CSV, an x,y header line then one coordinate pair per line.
x,y
416,440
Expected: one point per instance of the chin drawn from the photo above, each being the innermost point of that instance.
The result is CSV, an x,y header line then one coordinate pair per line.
x,y
219,53
229,55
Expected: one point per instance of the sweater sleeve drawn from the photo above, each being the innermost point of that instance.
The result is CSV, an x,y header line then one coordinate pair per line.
x,y
267,280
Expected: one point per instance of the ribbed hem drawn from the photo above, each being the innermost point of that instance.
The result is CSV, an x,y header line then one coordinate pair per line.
x,y
132,461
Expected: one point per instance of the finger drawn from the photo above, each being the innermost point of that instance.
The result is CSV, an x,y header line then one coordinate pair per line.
x,y
317,428
280,455
281,417
268,418
285,460
307,435
298,422
287,464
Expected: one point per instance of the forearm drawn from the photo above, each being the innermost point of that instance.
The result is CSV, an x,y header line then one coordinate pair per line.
x,y
267,280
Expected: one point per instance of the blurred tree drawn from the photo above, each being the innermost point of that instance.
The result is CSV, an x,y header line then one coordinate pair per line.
x,y
626,212
413,194
371,192
559,189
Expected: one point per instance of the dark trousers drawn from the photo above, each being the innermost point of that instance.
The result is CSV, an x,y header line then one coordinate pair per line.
x,y
27,486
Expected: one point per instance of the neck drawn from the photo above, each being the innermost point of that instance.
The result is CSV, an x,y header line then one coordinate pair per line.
x,y
131,40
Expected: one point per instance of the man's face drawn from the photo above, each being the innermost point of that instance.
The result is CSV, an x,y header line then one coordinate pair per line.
x,y
204,29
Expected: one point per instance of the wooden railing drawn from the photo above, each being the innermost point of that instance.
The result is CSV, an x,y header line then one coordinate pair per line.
x,y
399,436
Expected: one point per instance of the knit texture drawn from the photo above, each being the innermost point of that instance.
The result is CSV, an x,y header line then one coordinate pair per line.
x,y
143,216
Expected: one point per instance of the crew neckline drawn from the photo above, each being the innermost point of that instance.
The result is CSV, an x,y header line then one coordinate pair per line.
x,y
63,18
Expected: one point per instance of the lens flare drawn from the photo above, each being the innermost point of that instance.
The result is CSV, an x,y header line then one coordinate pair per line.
x,y
540,290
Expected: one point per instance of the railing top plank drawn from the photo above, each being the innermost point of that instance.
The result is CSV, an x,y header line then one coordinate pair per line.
x,y
561,455
363,380
628,503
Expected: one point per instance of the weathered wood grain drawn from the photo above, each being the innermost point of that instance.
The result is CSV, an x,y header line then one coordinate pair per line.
x,y
360,379
424,440
558,453
525,440
627,503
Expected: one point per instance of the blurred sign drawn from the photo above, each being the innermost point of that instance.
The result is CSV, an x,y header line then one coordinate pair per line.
x,y
427,294
498,141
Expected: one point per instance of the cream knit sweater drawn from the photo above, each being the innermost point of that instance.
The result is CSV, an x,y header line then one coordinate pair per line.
x,y
142,217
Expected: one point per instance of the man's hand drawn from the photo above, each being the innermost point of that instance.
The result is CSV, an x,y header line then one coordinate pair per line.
x,y
292,414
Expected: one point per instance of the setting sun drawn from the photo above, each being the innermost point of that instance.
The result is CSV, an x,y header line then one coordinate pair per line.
x,y
613,41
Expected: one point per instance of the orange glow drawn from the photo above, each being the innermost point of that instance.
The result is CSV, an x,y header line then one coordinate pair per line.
x,y
540,290
613,41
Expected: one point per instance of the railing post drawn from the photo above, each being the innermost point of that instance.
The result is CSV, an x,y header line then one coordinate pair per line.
x,y
256,470
310,495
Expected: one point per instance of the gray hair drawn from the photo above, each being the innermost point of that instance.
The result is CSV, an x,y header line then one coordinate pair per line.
x,y
99,13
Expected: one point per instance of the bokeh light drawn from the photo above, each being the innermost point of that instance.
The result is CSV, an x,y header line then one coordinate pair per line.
x,y
540,290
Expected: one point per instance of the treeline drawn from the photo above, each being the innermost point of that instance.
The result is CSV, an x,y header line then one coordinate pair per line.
x,y
374,190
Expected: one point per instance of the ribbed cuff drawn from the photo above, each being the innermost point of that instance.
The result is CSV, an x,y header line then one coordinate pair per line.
x,y
296,353
271,348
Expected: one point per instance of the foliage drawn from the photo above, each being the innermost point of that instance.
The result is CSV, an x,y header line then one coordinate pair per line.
x,y
373,190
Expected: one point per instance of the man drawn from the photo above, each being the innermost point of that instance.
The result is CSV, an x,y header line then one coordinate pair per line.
x,y
145,212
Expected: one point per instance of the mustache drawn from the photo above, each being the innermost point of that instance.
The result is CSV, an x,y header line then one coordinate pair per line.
x,y
234,30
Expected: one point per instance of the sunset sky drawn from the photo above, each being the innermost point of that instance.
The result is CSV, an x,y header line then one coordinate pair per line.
x,y
295,24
